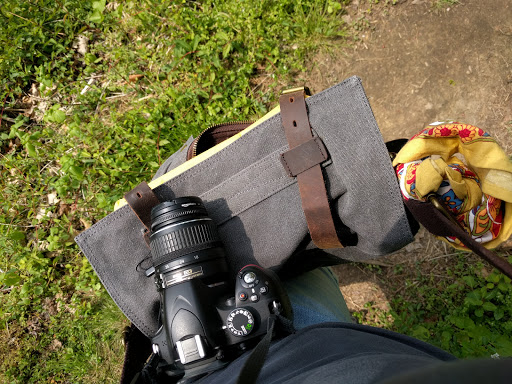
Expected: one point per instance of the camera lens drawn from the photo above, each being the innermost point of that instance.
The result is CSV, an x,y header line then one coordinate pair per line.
x,y
184,241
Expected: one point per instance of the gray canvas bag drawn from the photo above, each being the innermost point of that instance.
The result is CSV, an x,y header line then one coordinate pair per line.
x,y
256,204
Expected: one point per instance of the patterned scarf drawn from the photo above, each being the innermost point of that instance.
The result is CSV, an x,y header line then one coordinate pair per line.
x,y
468,170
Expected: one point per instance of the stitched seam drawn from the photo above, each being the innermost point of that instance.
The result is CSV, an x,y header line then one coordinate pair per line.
x,y
271,192
324,155
270,158
111,287
253,188
287,167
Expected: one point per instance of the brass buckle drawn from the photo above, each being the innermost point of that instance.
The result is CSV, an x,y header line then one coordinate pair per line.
x,y
292,90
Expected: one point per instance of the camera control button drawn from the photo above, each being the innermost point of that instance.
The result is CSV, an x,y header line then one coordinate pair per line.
x,y
240,322
250,277
264,290
254,298
242,296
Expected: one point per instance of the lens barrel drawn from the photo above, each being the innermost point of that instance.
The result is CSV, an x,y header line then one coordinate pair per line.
x,y
182,234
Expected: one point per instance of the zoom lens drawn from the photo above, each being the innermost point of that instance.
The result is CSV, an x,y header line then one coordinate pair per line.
x,y
184,241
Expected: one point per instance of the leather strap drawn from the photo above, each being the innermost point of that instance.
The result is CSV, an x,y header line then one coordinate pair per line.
x,y
304,156
315,203
141,200
440,222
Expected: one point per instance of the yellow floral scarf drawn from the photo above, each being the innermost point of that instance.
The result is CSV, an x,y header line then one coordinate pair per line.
x,y
468,170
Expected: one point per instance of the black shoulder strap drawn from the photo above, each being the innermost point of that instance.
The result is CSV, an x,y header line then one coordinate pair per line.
x,y
253,364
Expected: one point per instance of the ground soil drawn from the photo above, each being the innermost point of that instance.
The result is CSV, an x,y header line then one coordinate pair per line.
x,y
420,64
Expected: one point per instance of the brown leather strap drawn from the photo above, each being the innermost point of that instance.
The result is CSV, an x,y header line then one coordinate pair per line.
x,y
442,223
141,200
304,156
315,203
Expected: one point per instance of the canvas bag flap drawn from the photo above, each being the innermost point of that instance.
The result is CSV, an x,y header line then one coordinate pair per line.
x,y
257,206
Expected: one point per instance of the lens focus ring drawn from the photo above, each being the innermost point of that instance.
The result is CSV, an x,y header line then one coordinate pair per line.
x,y
183,239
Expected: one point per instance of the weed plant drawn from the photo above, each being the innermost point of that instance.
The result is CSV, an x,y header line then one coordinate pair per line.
x,y
469,314
95,97
466,311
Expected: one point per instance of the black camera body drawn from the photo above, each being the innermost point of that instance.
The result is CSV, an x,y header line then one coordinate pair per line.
x,y
207,320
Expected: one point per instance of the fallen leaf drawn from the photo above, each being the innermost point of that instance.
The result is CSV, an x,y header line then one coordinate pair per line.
x,y
53,199
134,78
56,344
85,223
63,209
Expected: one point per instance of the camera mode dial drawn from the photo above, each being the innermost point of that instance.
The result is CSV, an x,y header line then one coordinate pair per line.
x,y
240,322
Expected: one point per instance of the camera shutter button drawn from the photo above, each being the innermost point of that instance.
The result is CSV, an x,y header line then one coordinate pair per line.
x,y
249,277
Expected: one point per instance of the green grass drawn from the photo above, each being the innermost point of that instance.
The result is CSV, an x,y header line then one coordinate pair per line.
x,y
102,121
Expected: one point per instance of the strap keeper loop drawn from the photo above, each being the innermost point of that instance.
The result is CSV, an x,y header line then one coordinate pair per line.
x,y
304,156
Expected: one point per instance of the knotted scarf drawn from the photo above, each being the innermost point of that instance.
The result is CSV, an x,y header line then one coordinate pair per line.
x,y
468,170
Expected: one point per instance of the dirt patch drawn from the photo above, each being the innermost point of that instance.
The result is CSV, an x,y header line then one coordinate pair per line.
x,y
419,65
372,286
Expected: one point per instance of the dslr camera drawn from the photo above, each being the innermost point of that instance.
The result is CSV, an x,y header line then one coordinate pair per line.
x,y
207,320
